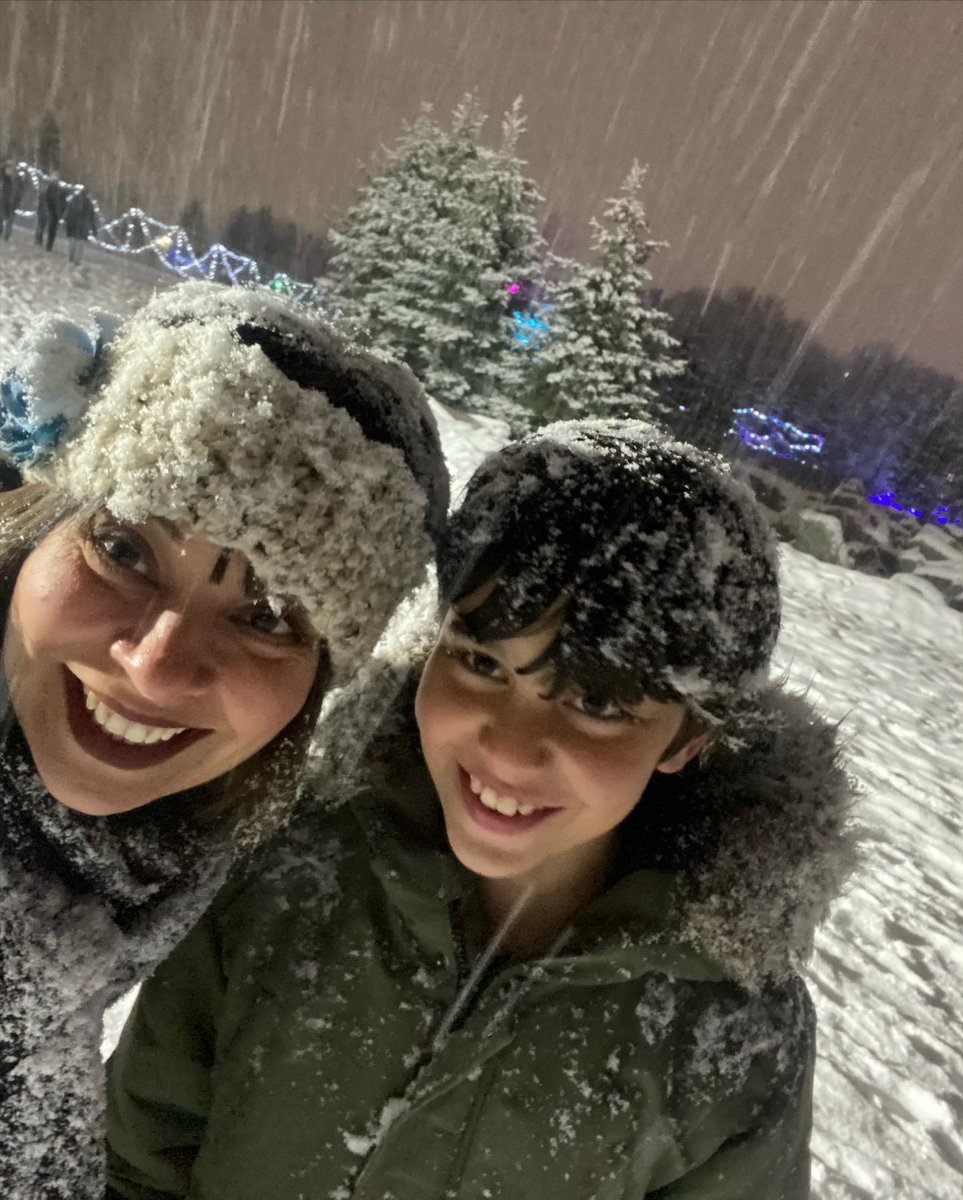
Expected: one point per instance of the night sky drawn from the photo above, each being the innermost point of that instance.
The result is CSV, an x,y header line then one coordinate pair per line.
x,y
810,150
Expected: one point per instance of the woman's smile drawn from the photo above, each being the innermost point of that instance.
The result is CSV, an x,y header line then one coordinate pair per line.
x,y
117,741
142,663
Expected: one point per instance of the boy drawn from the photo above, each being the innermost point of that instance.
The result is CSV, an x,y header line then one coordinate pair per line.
x,y
553,954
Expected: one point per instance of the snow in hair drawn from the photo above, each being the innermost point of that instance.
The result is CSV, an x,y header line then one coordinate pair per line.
x,y
195,426
668,572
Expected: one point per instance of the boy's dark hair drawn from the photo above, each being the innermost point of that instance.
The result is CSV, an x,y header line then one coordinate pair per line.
x,y
662,566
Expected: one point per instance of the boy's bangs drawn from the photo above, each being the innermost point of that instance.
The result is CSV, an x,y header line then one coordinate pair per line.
x,y
576,657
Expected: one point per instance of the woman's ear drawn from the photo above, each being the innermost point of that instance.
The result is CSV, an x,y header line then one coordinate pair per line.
x,y
684,755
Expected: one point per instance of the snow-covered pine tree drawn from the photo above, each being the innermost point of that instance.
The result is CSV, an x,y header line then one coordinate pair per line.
x,y
424,259
607,346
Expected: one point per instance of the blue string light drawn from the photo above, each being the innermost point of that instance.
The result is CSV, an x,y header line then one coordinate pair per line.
x,y
942,515
135,232
763,431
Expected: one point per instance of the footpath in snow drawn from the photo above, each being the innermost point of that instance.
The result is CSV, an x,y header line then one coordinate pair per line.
x,y
886,663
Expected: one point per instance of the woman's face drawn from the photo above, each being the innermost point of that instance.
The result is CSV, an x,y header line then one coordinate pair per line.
x,y
141,662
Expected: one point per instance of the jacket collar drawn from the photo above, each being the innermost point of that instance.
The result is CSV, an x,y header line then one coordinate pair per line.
x,y
727,869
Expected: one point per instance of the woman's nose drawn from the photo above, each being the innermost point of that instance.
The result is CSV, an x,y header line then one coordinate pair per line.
x,y
170,656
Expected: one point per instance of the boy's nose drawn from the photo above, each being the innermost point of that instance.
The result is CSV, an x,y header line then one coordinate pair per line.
x,y
170,657
516,738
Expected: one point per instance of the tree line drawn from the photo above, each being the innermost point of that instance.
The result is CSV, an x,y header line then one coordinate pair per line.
x,y
442,261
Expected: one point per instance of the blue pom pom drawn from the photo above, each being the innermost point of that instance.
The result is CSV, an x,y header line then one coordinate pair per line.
x,y
33,423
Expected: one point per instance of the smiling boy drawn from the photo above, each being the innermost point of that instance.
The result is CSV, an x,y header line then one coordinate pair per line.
x,y
550,954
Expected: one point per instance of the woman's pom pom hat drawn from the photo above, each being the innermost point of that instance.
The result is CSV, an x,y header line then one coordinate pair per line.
x,y
245,418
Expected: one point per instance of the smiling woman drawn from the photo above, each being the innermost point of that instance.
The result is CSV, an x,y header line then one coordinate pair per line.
x,y
225,503
143,662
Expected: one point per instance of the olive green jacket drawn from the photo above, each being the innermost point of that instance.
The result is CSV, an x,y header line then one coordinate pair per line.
x,y
325,1034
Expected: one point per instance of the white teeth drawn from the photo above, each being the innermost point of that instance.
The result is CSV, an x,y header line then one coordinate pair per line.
x,y
119,727
500,804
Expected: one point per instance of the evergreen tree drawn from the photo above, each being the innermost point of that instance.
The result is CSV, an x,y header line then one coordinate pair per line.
x,y
424,259
608,346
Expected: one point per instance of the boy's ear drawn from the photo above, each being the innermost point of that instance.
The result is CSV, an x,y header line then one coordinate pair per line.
x,y
685,754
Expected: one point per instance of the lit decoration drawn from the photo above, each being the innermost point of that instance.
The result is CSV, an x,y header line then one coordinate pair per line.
x,y
763,431
136,232
942,515
527,329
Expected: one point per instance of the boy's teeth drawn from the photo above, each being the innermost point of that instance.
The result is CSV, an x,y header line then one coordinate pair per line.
x,y
500,804
119,727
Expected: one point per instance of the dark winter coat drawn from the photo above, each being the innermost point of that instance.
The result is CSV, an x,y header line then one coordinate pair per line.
x,y
88,906
322,1033
11,188
52,201
80,219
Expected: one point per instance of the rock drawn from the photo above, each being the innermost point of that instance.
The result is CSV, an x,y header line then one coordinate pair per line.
x,y
918,585
855,528
911,559
947,578
821,535
768,493
936,545
846,500
874,560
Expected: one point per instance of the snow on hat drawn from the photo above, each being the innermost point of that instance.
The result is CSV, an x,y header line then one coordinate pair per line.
x,y
667,571
242,415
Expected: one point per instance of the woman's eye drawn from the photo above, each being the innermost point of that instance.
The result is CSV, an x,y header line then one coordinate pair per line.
x,y
270,619
597,709
118,548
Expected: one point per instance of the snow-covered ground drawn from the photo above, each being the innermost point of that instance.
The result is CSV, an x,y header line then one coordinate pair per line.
x,y
887,663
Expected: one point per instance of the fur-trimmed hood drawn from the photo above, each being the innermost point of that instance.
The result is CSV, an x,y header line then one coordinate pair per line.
x,y
726,869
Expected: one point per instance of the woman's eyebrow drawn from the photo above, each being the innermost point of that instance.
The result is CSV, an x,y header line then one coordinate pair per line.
x,y
171,528
219,570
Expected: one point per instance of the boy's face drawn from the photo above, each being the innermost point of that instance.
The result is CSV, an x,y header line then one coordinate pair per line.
x,y
532,787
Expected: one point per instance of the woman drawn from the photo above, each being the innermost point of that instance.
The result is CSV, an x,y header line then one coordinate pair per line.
x,y
544,950
228,503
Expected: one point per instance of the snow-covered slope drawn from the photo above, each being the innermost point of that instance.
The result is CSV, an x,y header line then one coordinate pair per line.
x,y
887,663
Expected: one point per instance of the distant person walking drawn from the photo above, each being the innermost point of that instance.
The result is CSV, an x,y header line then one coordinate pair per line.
x,y
50,208
11,186
80,221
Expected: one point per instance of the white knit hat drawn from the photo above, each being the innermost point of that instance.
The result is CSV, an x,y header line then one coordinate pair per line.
x,y
245,417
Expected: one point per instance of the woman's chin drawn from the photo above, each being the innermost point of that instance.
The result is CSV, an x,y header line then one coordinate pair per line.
x,y
95,802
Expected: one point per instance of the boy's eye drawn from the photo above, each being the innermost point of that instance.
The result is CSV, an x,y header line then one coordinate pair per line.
x,y
477,662
119,547
598,709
